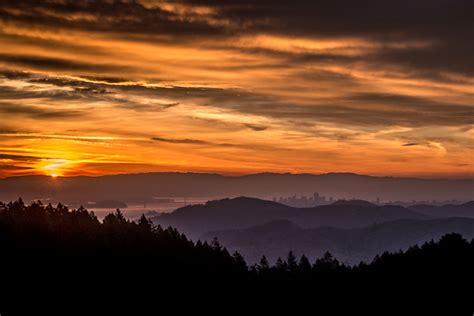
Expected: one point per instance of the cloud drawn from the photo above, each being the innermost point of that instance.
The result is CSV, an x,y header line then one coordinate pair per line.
x,y
52,63
188,20
204,17
181,141
128,17
53,44
257,128
18,157
8,129
362,108
188,141
37,112
4,167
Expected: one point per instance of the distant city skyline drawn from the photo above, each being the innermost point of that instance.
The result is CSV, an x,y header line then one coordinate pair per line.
x,y
301,200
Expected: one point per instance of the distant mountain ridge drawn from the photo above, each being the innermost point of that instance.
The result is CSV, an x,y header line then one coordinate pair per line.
x,y
462,210
243,212
351,246
353,202
353,230
127,187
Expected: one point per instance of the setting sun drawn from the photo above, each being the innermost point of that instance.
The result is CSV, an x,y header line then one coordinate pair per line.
x,y
54,167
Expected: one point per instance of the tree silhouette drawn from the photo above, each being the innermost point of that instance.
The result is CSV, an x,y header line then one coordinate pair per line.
x,y
55,241
304,268
281,265
145,223
291,262
263,265
115,218
326,263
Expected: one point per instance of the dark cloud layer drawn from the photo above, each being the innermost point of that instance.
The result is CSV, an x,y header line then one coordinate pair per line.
x,y
181,141
49,63
5,167
37,112
18,157
332,18
370,18
187,141
364,108
128,17
445,24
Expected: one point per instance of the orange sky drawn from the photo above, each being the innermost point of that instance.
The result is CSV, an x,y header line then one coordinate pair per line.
x,y
186,86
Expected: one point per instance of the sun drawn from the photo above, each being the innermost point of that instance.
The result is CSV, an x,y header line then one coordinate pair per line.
x,y
54,168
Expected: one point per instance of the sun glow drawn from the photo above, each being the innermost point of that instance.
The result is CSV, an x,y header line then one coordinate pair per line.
x,y
55,168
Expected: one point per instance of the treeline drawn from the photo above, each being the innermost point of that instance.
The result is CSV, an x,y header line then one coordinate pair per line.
x,y
39,238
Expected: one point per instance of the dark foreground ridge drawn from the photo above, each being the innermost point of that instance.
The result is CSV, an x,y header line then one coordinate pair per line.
x,y
57,243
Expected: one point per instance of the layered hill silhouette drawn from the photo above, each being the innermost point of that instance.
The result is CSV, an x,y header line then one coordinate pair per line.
x,y
354,230
243,212
450,210
351,246
45,244
129,187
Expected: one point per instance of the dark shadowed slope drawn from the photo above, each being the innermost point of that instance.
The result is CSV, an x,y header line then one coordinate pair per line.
x,y
450,210
353,202
351,216
244,212
266,185
275,239
239,212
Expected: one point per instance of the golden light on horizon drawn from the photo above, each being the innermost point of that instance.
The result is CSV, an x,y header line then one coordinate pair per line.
x,y
55,168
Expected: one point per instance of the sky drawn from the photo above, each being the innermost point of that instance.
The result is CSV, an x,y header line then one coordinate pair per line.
x,y
237,87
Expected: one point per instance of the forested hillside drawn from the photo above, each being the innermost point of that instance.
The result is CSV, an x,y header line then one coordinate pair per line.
x,y
56,241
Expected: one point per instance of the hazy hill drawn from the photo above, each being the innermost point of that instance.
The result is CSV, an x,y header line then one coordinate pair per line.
x,y
109,204
129,187
243,212
353,202
462,210
276,238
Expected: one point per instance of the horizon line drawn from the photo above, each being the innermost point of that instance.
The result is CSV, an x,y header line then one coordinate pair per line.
x,y
242,175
